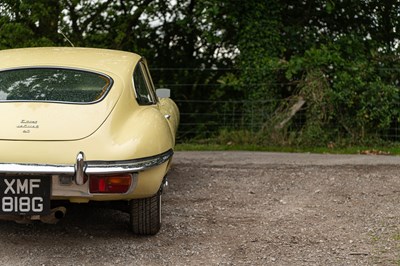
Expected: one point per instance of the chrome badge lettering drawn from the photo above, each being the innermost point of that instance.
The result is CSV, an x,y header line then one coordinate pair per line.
x,y
26,125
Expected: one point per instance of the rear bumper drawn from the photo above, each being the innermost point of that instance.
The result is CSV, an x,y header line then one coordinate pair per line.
x,y
87,167
77,189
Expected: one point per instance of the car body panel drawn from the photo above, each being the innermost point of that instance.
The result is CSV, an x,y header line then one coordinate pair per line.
x,y
115,128
48,121
98,60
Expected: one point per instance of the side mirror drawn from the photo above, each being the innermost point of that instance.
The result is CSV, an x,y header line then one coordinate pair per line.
x,y
163,93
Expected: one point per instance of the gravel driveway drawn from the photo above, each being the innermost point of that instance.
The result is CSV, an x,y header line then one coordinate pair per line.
x,y
237,208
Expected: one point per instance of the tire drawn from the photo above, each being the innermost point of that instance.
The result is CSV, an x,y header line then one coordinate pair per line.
x,y
145,215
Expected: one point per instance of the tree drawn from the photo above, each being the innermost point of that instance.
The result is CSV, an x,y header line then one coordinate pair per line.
x,y
28,23
340,56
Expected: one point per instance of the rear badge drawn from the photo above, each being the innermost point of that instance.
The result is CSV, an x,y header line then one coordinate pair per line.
x,y
28,125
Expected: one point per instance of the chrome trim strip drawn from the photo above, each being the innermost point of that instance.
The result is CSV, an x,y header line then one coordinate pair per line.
x,y
90,167
24,168
104,167
80,169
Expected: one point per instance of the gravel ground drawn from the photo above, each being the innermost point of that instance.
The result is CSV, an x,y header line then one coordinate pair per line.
x,y
237,208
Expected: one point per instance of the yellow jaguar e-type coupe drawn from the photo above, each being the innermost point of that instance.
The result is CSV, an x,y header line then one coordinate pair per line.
x,y
82,125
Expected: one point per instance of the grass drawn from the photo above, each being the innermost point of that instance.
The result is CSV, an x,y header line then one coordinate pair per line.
x,y
377,150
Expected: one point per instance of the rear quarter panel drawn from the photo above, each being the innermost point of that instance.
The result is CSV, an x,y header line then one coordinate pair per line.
x,y
170,110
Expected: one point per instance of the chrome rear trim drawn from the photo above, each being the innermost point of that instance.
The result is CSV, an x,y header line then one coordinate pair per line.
x,y
80,169
88,167
24,168
104,167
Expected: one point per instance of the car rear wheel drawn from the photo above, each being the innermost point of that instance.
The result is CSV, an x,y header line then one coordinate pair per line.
x,y
145,215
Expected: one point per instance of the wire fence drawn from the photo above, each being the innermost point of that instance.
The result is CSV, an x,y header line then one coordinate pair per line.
x,y
205,119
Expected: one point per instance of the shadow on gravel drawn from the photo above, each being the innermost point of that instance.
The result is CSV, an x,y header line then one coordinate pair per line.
x,y
81,221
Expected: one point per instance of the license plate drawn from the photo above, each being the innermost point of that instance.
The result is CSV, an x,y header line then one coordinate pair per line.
x,y
25,195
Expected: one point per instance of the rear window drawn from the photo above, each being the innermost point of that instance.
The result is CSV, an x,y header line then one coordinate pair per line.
x,y
48,84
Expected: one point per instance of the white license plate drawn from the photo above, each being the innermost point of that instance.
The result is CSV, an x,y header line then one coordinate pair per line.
x,y
25,195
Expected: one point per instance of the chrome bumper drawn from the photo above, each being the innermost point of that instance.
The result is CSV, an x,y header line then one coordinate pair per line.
x,y
83,167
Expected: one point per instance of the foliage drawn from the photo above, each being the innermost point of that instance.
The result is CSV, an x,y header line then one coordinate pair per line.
x,y
344,89
341,57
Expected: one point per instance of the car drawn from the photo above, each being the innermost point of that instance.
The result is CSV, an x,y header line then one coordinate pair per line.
x,y
83,125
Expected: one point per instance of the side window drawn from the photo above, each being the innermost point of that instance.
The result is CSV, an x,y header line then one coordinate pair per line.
x,y
142,88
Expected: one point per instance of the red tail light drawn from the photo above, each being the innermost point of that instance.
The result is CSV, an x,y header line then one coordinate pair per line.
x,y
110,183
